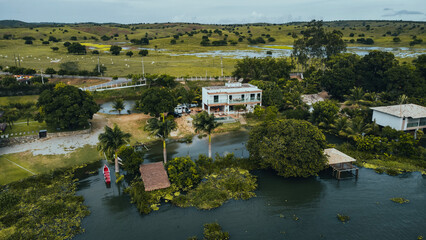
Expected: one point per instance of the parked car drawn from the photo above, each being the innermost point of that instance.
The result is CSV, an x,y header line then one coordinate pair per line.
x,y
180,109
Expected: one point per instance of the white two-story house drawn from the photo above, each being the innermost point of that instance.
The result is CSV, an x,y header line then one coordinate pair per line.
x,y
223,99
405,117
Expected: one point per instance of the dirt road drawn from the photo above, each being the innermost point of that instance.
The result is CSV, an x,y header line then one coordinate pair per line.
x,y
61,145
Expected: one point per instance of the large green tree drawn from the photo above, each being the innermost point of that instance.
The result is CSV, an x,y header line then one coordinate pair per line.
x,y
161,128
156,101
372,70
324,113
203,122
293,148
268,69
110,142
130,159
316,44
340,74
76,48
183,172
66,107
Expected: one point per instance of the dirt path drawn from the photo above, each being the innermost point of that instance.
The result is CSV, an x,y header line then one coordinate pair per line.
x,y
61,145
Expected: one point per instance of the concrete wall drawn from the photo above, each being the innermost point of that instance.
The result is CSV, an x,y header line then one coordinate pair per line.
x,y
384,119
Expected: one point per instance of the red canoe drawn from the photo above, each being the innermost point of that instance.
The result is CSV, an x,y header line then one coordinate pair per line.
x,y
107,176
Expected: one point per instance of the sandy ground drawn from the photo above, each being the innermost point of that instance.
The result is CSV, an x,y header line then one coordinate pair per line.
x,y
184,126
128,123
61,145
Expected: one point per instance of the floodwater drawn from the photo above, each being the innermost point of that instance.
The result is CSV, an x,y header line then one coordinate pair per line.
x,y
283,208
260,52
128,106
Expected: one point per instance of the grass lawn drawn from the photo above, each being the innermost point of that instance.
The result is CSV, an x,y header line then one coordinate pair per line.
x,y
133,124
18,99
9,172
21,127
179,59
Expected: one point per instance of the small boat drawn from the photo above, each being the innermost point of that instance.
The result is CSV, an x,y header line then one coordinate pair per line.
x,y
107,176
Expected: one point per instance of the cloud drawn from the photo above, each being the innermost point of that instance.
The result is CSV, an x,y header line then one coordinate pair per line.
x,y
403,12
387,9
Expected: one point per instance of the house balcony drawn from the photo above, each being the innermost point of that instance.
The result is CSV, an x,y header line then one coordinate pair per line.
x,y
233,101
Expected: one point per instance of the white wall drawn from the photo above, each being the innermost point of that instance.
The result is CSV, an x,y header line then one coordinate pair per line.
x,y
384,119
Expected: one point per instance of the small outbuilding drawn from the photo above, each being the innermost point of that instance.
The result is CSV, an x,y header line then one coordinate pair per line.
x,y
340,162
154,176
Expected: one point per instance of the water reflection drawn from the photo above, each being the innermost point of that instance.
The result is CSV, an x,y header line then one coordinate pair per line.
x,y
221,144
128,106
290,192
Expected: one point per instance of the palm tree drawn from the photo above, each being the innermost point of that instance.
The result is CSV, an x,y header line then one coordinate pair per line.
x,y
161,129
341,126
358,126
203,122
118,105
111,140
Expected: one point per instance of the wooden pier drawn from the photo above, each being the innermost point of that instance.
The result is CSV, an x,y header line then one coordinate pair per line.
x,y
340,163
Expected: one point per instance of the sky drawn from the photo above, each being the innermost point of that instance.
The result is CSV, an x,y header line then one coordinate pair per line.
x,y
216,11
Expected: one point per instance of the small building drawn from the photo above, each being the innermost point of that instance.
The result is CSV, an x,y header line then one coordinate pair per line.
x,y
310,99
223,99
404,117
154,176
340,162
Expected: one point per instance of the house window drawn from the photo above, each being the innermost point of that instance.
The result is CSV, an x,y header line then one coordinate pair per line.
x,y
252,96
422,121
413,123
242,96
258,96
230,97
231,108
215,98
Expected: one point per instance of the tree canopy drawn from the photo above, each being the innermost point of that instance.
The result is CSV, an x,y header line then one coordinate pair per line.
x,y
293,148
268,69
155,101
66,107
76,48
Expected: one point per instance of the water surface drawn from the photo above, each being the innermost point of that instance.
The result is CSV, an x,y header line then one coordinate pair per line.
x,y
283,208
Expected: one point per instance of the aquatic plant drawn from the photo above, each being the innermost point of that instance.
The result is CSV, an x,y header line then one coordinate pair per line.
x,y
343,218
42,207
400,200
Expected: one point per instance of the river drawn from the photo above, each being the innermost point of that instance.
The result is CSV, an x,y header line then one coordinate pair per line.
x,y
283,208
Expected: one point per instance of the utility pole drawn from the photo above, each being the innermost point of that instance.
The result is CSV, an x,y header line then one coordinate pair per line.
x,y
19,59
99,66
143,69
14,57
42,78
221,65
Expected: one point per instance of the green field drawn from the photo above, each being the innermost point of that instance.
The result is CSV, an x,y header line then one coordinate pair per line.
x,y
172,58
18,99
10,172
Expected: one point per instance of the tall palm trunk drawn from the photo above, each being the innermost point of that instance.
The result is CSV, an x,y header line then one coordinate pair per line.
x,y
164,143
117,170
164,151
210,145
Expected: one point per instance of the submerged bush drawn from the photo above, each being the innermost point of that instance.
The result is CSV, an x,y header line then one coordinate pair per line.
x,y
215,189
42,207
343,218
400,200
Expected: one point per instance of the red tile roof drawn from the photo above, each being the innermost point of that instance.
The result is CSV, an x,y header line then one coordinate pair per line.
x,y
154,176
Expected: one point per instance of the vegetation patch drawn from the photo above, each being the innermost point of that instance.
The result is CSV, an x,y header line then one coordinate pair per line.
x,y
400,200
213,231
280,47
42,207
215,189
343,218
